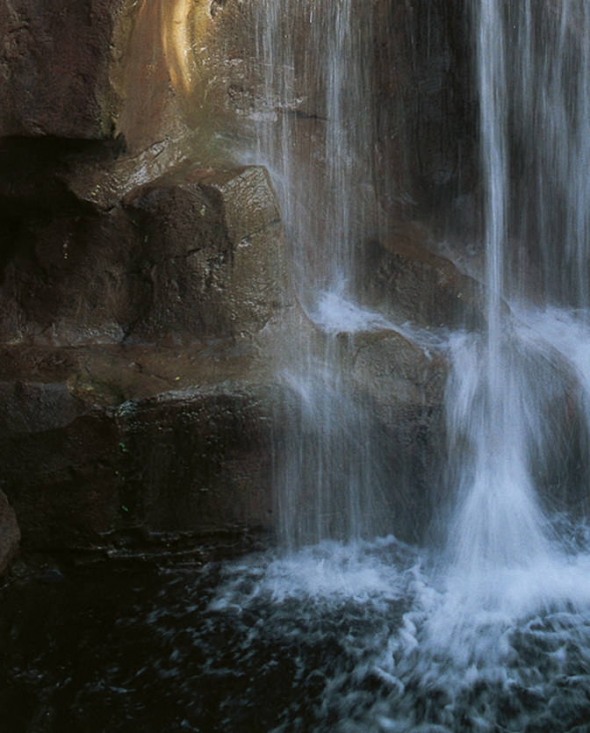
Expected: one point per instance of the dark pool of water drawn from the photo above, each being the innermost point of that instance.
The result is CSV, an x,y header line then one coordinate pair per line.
x,y
242,647
101,649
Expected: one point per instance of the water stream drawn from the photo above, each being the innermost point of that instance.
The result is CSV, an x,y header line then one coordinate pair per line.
x,y
329,480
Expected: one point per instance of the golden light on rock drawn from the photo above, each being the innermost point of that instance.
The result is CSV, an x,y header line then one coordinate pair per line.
x,y
183,24
177,63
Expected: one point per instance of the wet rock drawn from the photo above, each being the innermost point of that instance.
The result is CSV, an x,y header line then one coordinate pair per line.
x,y
30,407
9,533
199,459
105,436
109,245
67,280
185,69
401,385
122,440
211,257
406,278
50,84
196,254
426,109
396,370
104,180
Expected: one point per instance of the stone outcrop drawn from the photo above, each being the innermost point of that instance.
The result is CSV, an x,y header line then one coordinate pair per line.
x,y
401,384
406,278
135,374
210,263
194,254
425,111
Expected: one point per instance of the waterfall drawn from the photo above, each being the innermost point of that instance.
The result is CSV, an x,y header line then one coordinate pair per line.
x,y
490,402
316,134
488,629
509,384
315,138
511,387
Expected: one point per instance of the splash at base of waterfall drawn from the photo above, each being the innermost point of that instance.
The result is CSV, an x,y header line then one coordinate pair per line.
x,y
411,650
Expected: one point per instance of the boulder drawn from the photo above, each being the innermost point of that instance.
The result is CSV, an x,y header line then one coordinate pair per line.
x,y
404,277
199,460
211,259
401,385
187,69
193,255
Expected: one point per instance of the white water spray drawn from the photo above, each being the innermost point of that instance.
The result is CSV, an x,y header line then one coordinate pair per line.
x,y
507,391
315,137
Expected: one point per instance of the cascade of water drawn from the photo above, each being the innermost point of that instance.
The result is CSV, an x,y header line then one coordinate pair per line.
x,y
316,144
498,522
549,53
534,110
534,106
314,138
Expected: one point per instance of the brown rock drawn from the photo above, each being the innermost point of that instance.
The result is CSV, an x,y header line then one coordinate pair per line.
x,y
212,261
197,254
412,283
401,384
9,533
54,63
67,282
101,442
397,371
199,459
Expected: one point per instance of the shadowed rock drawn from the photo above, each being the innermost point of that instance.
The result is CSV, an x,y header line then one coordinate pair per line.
x,y
9,534
54,63
195,254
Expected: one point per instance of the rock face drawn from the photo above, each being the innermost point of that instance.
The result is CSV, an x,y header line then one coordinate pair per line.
x,y
135,378
50,84
211,260
195,254
406,278
145,307
403,383
425,110
88,469
9,533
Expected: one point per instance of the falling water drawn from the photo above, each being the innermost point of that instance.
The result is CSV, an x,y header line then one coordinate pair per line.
x,y
316,134
505,391
498,523
315,137
517,396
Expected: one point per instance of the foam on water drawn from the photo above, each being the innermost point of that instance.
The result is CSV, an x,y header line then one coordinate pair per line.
x,y
362,637
329,571
497,522
337,314
417,650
